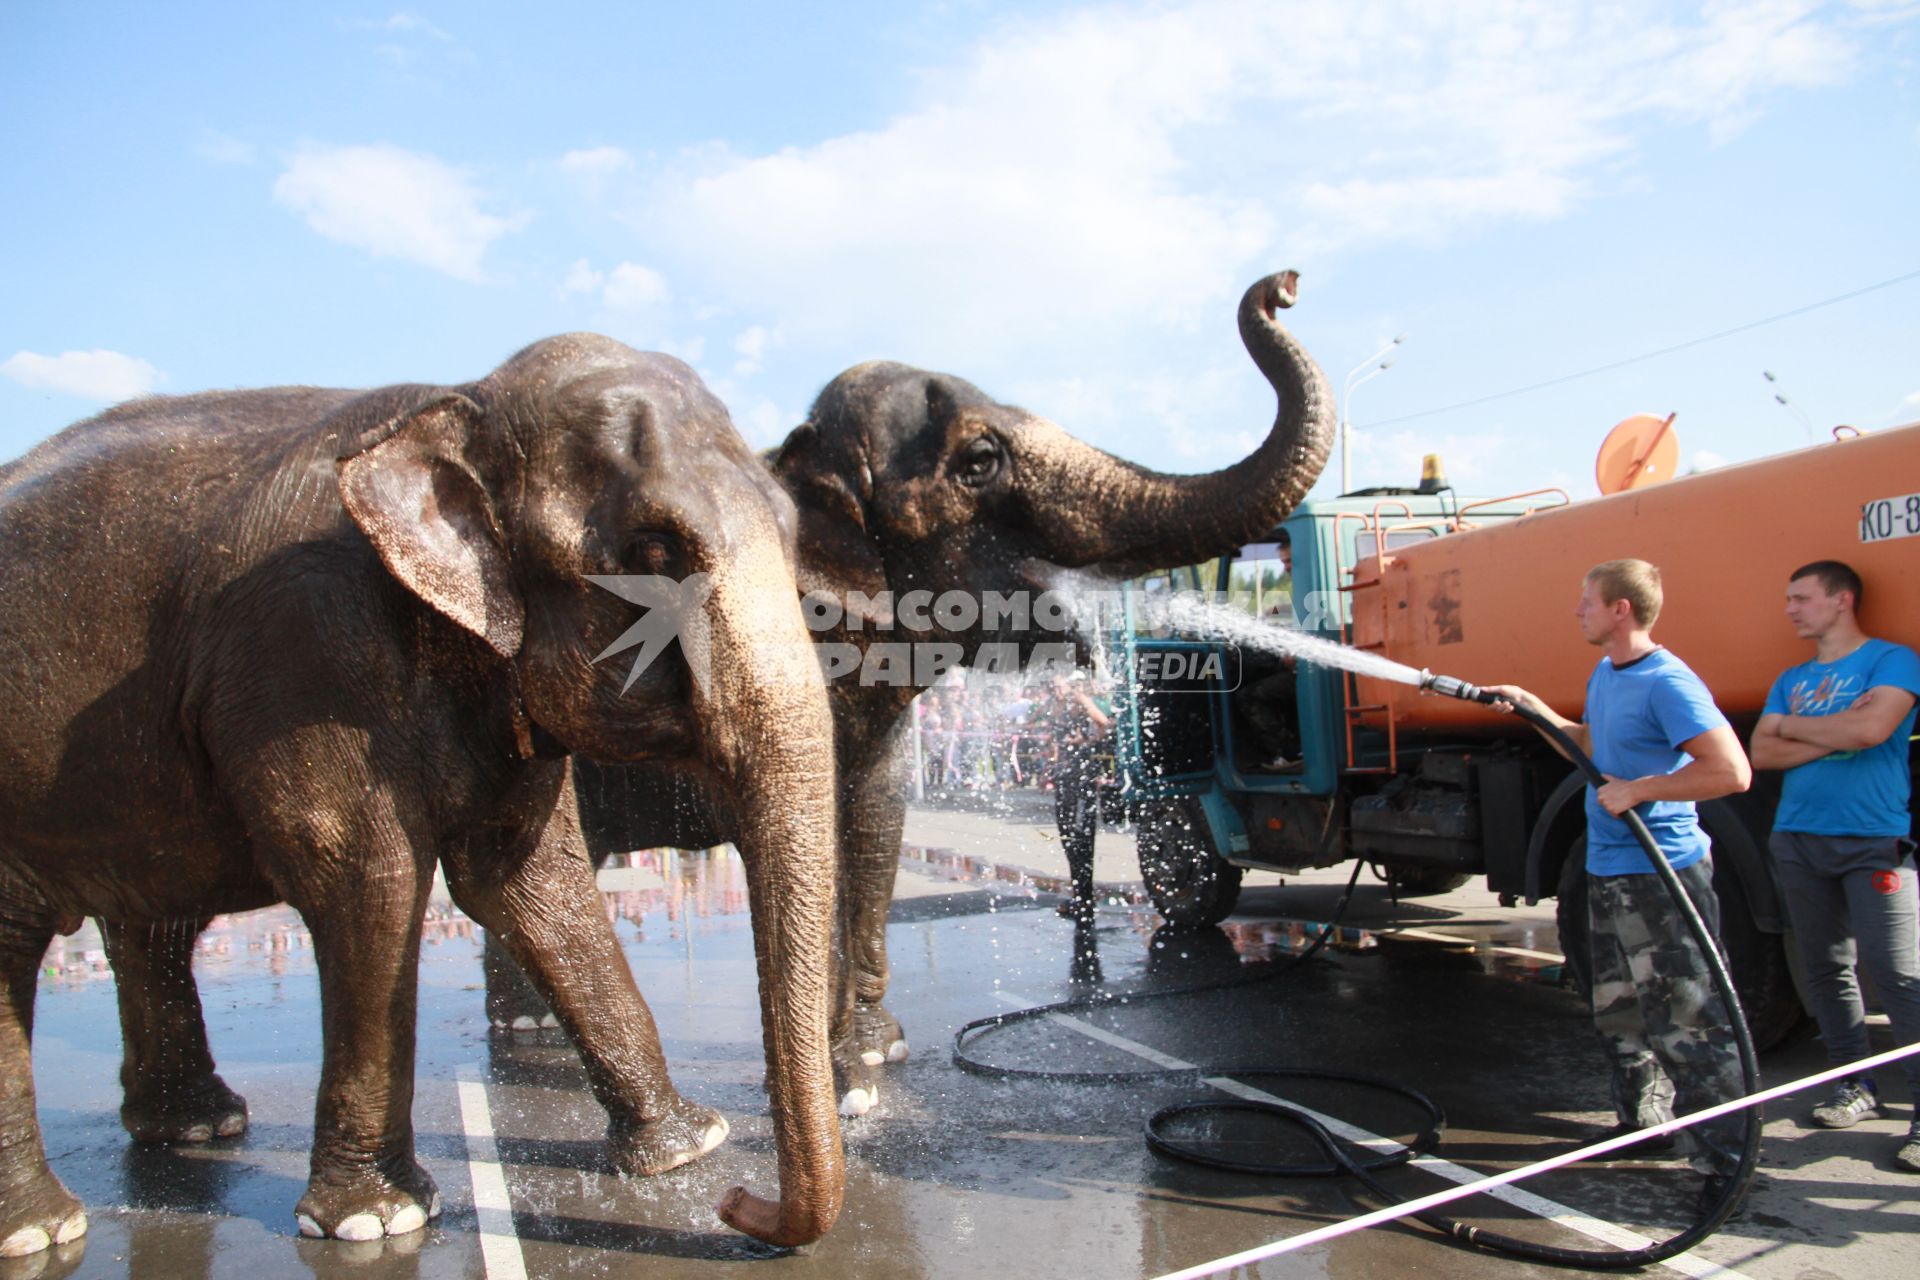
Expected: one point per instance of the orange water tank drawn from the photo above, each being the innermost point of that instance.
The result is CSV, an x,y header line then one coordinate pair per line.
x,y
1495,605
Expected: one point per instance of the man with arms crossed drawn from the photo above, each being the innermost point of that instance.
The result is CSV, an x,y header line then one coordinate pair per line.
x,y
1653,730
1839,725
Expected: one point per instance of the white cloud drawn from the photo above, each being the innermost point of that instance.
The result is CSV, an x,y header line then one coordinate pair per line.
x,y
105,376
631,285
1129,167
222,148
596,162
405,22
751,346
394,204
1706,460
582,278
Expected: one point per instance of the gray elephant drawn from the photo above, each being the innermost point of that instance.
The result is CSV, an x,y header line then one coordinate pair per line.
x,y
908,481
304,645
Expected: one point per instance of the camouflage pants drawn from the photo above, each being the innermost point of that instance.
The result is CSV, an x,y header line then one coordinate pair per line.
x,y
1665,1028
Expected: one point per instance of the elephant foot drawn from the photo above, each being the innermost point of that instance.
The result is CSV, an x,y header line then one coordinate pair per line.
x,y
172,1111
523,1022
368,1207
877,1035
682,1136
854,1080
39,1216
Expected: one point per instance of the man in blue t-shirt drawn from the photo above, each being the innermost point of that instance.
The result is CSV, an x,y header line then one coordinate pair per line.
x,y
1652,728
1840,726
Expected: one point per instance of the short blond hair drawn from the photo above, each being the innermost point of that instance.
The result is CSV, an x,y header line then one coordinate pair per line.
x,y
1635,581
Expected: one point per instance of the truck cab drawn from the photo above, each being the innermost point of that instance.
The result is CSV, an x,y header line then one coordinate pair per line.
x,y
1240,754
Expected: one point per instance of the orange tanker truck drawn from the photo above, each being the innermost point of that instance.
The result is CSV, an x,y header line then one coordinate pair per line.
x,y
1242,760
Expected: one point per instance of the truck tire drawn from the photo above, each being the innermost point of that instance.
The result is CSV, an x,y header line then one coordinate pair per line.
x,y
1757,960
1191,885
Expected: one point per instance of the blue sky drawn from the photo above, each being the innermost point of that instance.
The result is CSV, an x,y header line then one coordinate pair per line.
x,y
1060,202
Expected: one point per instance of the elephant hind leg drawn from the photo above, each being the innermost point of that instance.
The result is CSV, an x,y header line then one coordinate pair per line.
x,y
170,1091
36,1211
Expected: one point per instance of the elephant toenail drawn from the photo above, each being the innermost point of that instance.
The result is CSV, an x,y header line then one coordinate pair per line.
x,y
72,1229
25,1241
308,1227
409,1219
897,1051
433,1206
872,1057
361,1226
525,1023
858,1102
549,1022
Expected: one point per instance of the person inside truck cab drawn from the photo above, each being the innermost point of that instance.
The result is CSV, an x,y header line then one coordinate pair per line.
x,y
1652,728
1840,724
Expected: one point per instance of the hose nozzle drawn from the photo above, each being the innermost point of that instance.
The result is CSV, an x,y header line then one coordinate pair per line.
x,y
1454,687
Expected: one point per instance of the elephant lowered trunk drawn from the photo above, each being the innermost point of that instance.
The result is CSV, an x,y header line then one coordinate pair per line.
x,y
768,723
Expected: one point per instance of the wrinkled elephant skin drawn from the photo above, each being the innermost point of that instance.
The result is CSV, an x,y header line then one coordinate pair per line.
x,y
907,480
304,645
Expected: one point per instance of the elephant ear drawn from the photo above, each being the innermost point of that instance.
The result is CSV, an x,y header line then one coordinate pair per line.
x,y
430,518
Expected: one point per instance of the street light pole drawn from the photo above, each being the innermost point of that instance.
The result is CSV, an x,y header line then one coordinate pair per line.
x,y
1780,398
1373,366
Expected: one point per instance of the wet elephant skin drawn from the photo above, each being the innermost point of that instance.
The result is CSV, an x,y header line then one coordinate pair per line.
x,y
906,481
306,645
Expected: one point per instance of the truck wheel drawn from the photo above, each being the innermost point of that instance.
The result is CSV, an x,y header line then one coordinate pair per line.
x,y
1423,882
1757,960
1192,887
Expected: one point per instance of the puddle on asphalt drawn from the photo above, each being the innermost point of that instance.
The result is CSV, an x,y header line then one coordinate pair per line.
x,y
1525,958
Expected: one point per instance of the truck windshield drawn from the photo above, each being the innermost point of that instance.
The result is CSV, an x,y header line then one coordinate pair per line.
x,y
1260,582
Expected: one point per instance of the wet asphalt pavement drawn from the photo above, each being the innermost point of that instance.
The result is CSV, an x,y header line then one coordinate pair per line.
x,y
953,1173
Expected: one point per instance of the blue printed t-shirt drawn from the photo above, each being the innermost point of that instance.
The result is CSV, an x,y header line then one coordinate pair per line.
x,y
1638,716
1848,793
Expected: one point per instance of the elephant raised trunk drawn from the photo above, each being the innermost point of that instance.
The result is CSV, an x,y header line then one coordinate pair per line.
x,y
1097,509
770,737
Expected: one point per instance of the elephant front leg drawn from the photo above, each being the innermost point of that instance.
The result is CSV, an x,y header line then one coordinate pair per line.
x,y
549,917
170,1091
364,1181
36,1212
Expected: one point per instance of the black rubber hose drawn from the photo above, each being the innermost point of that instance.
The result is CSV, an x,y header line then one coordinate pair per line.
x,y
1340,1161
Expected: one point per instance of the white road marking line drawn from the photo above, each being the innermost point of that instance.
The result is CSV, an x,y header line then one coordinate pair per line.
x,y
1461,940
499,1245
1606,1232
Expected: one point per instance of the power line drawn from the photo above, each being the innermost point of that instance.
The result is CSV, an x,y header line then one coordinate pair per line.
x,y
1663,351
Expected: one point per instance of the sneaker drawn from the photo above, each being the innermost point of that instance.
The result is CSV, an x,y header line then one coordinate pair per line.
x,y
1908,1156
1852,1102
1650,1147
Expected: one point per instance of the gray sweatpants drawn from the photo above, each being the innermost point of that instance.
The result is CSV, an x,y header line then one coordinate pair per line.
x,y
1852,901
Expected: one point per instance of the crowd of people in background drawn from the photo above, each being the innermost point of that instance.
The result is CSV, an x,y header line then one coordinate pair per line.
x,y
983,734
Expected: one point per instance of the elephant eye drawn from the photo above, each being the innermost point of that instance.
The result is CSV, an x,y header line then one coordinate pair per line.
x,y
650,552
978,461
